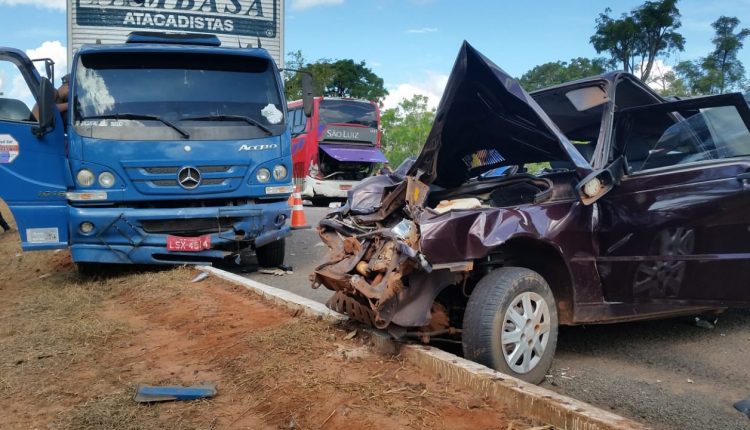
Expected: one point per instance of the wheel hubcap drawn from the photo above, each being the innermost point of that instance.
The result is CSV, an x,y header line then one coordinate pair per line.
x,y
525,332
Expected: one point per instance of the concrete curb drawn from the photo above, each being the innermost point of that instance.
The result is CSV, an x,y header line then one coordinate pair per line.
x,y
521,398
278,296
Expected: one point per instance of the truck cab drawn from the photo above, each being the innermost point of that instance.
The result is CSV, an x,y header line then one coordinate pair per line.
x,y
173,150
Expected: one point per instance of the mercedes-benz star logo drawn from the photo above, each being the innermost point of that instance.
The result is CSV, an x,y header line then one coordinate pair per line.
x,y
189,178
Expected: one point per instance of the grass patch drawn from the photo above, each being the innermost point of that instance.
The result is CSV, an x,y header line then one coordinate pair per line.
x,y
113,412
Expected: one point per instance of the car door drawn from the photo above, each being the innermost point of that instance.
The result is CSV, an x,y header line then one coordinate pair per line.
x,y
34,173
677,228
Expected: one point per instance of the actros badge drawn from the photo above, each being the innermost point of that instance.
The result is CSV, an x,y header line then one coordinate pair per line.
x,y
258,147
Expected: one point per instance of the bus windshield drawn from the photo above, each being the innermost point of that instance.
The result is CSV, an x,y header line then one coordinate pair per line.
x,y
348,112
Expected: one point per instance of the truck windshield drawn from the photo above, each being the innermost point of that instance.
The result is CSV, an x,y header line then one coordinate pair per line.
x,y
348,112
129,96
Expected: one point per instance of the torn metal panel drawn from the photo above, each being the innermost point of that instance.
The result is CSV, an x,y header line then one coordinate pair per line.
x,y
373,266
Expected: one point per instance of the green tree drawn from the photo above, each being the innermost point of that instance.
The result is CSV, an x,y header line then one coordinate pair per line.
x,y
619,37
669,84
339,78
637,39
720,71
554,73
405,128
729,70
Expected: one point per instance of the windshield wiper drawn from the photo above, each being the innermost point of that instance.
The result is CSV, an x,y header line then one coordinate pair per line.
x,y
246,119
137,116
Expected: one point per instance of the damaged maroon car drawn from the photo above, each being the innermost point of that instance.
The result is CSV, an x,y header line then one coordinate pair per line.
x,y
613,205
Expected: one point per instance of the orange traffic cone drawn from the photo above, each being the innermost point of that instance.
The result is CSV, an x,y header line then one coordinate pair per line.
x,y
298,212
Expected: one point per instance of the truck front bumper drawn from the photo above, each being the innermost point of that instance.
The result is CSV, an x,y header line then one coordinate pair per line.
x,y
139,236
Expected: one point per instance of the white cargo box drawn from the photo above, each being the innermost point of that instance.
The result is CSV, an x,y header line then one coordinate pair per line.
x,y
237,23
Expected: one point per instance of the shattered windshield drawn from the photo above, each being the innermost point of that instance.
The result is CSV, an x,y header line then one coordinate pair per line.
x,y
348,112
231,96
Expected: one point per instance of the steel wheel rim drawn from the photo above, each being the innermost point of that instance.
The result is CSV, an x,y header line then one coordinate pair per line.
x,y
525,332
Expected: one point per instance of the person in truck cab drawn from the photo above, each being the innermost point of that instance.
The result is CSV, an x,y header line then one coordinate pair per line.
x,y
61,95
61,98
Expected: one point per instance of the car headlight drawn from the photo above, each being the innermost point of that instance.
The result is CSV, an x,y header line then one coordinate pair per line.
x,y
106,179
85,178
263,175
279,172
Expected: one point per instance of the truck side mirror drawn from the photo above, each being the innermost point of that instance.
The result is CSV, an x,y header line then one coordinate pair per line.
x,y
47,108
307,94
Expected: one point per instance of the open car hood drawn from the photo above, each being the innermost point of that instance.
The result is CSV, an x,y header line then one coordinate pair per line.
x,y
486,120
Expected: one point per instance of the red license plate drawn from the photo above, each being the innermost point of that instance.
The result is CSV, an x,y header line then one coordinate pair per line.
x,y
188,244
345,187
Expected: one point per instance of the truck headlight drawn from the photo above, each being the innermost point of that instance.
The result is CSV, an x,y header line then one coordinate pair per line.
x,y
263,175
106,179
279,172
85,178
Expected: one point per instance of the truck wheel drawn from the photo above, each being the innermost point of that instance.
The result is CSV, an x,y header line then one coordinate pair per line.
x,y
88,270
510,324
271,255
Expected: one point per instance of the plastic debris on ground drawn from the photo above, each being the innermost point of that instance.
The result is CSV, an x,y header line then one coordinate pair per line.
x,y
148,393
743,406
707,323
276,271
201,276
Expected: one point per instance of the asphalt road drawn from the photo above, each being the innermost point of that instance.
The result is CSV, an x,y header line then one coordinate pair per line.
x,y
669,374
304,251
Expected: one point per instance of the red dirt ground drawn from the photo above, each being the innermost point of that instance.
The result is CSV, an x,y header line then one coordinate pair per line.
x,y
72,351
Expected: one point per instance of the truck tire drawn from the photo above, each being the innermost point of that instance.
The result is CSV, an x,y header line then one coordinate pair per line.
x,y
88,269
271,255
510,324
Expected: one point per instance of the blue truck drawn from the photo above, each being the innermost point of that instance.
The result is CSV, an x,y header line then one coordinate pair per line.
x,y
173,150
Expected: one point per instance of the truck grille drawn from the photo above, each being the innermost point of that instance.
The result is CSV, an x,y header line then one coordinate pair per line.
x,y
173,182
174,170
163,179
195,226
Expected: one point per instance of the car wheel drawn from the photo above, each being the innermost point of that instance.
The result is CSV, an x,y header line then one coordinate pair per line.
x,y
510,324
271,255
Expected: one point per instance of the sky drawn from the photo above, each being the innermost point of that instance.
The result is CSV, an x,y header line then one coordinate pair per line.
x,y
412,44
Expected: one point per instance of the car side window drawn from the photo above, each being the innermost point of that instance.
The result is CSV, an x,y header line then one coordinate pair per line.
x,y
16,98
651,140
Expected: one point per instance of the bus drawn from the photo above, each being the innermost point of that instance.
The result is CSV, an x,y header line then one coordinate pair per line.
x,y
336,147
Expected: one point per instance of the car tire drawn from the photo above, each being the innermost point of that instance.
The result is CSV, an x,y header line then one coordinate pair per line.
x,y
498,305
271,255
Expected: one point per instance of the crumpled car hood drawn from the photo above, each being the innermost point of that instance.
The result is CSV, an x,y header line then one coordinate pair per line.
x,y
483,108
